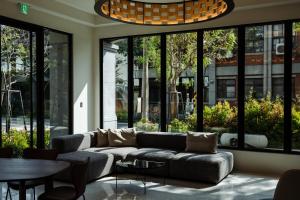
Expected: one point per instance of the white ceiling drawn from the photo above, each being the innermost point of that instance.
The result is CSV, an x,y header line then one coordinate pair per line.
x,y
83,5
82,11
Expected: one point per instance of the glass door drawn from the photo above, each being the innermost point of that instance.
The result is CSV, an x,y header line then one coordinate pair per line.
x,y
18,93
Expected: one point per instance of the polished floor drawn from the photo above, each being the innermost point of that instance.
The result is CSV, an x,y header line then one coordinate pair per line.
x,y
235,187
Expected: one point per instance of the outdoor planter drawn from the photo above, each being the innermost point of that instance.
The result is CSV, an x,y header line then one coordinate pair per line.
x,y
256,141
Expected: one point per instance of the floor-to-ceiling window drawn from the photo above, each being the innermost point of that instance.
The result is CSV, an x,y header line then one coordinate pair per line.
x,y
264,88
23,56
220,74
233,81
17,68
181,81
147,68
296,87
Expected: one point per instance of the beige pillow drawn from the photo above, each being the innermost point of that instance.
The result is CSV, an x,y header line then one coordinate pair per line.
x,y
122,137
201,142
102,137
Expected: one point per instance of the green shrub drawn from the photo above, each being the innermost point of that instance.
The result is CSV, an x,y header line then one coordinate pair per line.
x,y
221,115
146,125
20,140
122,116
16,140
264,116
295,120
178,126
191,122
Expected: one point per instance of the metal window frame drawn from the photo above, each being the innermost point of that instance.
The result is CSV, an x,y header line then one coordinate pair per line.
x,y
287,135
39,31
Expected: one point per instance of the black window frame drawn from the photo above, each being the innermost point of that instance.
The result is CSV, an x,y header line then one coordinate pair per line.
x,y
288,47
39,30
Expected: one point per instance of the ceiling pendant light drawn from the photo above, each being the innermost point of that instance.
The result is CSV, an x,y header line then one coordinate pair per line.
x,y
163,12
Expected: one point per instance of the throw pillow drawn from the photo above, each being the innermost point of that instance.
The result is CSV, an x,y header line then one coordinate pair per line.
x,y
102,137
201,142
122,137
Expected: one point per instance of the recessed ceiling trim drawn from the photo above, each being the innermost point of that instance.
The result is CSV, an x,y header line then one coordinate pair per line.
x,y
175,12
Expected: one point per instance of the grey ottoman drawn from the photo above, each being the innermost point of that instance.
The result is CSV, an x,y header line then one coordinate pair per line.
x,y
101,164
211,168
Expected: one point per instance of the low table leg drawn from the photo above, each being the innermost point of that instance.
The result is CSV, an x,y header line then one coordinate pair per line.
x,y
22,191
48,184
116,174
145,186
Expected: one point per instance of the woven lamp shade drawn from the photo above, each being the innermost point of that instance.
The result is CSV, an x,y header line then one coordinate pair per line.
x,y
143,13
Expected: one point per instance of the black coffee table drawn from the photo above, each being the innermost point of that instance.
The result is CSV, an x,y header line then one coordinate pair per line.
x,y
138,167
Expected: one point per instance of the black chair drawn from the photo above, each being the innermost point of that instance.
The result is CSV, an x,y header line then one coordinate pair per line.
x,y
79,179
288,187
43,154
6,152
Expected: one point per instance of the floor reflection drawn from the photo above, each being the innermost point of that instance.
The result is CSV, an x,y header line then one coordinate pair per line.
x,y
234,187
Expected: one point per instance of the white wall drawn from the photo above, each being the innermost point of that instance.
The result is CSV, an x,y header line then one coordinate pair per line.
x,y
82,59
265,163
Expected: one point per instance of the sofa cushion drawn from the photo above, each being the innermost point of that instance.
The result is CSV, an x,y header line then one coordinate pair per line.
x,y
101,164
101,138
201,142
70,143
153,154
162,140
118,153
122,137
201,167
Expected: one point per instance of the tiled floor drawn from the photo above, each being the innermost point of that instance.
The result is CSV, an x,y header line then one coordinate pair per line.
x,y
234,187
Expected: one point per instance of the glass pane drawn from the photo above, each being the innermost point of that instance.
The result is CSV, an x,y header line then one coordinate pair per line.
x,y
264,113
115,83
181,82
16,88
56,88
147,83
296,87
220,85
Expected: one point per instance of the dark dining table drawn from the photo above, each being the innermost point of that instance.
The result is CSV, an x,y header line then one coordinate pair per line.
x,y
22,170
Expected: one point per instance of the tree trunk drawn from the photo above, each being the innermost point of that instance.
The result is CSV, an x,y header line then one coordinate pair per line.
x,y
173,98
145,84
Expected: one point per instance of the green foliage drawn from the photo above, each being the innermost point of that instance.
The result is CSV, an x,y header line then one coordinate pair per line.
x,y
122,115
149,54
264,116
191,121
296,27
218,44
146,125
220,115
181,55
177,125
295,120
20,140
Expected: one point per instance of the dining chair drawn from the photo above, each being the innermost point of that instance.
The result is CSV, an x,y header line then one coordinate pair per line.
x,y
42,154
6,152
288,186
79,172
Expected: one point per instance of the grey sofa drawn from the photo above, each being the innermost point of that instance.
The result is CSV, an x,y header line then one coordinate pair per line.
x,y
168,147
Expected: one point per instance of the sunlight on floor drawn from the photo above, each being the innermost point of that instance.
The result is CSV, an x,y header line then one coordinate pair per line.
x,y
234,187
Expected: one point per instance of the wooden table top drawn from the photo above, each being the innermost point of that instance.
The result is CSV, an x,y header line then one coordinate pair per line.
x,y
13,169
